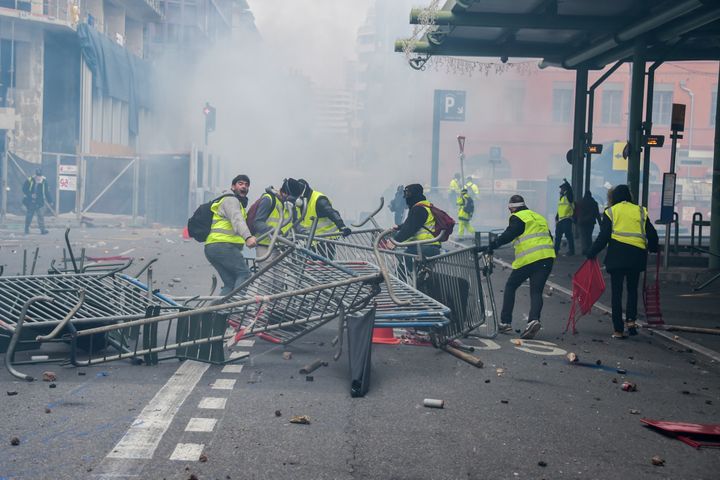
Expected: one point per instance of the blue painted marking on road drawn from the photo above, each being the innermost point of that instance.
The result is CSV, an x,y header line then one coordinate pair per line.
x,y
605,368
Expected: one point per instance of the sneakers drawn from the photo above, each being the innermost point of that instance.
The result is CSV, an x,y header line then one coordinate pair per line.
x,y
505,328
43,232
631,327
618,336
532,328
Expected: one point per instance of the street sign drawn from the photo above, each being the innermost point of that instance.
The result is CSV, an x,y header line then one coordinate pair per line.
x,y
67,182
495,153
461,143
452,105
667,205
67,169
677,118
619,160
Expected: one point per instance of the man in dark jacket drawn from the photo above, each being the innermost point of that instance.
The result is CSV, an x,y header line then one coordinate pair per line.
x,y
419,224
564,218
534,258
588,213
36,194
628,232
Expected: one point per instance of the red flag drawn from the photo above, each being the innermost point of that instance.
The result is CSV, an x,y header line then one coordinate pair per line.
x,y
588,286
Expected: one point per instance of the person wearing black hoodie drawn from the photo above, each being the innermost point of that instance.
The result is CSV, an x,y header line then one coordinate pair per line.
x,y
564,218
419,224
588,213
628,233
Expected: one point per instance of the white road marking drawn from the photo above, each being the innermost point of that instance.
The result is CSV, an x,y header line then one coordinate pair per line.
x,y
188,452
223,384
201,425
232,369
212,403
143,436
245,343
238,355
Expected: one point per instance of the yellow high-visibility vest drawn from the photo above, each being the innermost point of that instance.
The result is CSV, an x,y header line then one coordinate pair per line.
x,y
221,230
324,225
461,202
274,218
628,223
426,231
565,208
535,243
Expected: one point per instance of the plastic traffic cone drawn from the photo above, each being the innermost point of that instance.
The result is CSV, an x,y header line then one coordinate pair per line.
x,y
385,336
186,234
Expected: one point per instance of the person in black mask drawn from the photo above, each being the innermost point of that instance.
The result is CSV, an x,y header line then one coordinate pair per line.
x,y
419,224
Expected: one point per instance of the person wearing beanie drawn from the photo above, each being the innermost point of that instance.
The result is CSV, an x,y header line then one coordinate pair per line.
x,y
36,194
628,233
419,224
534,258
318,206
229,233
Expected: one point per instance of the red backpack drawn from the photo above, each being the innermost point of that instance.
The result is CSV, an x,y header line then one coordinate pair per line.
x,y
443,223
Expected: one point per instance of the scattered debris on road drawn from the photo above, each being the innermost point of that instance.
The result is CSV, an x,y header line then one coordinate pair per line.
x,y
572,357
49,376
434,403
203,458
287,355
657,461
300,419
311,367
14,441
278,413
629,387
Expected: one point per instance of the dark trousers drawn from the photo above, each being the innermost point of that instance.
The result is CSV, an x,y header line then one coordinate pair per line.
x,y
538,273
228,260
617,278
564,227
586,231
35,210
427,251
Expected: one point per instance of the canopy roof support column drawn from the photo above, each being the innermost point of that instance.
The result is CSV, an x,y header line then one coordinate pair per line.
x,y
715,197
635,122
581,87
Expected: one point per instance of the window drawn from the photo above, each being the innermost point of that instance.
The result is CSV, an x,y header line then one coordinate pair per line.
x,y
562,102
611,107
713,106
662,104
109,120
513,111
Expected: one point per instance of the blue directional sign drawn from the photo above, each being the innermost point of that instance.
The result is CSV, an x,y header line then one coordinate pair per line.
x,y
451,104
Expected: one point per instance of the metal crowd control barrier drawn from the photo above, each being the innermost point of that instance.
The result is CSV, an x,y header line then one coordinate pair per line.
x,y
291,294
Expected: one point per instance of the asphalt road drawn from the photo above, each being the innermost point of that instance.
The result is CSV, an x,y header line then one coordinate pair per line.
x,y
526,408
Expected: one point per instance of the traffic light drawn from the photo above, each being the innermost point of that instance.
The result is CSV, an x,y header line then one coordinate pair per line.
x,y
209,112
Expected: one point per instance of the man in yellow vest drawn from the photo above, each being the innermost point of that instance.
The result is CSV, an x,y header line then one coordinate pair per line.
x,y
564,218
455,188
534,258
471,187
466,208
629,234
228,235
318,206
271,208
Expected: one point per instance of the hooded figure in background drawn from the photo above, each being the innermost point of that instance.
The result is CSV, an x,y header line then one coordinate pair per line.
x,y
318,206
36,194
397,205
588,212
564,218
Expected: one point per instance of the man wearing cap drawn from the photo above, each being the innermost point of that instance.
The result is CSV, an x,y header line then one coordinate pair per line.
x,y
229,233
534,258
318,206
36,194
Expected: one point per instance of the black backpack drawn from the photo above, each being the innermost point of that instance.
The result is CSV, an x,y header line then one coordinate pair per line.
x,y
199,224
469,206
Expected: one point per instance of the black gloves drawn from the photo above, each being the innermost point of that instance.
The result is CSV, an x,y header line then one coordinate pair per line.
x,y
345,231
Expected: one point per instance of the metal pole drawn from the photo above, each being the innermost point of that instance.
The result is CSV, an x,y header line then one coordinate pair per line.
x,y
589,139
635,121
648,130
673,151
57,184
581,86
715,197
435,162
136,190
3,194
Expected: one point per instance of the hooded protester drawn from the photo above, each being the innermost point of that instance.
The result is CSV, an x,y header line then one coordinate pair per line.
x,y
564,218
36,194
628,233
419,224
534,258
318,206
398,206
588,213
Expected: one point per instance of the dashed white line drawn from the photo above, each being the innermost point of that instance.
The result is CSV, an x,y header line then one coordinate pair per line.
x,y
245,343
212,403
143,436
239,354
201,425
232,369
188,452
223,384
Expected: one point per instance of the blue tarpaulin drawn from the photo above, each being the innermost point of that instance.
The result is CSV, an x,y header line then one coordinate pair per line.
x,y
117,73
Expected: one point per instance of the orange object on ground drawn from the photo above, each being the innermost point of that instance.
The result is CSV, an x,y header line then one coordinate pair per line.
x,y
385,336
588,286
186,234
